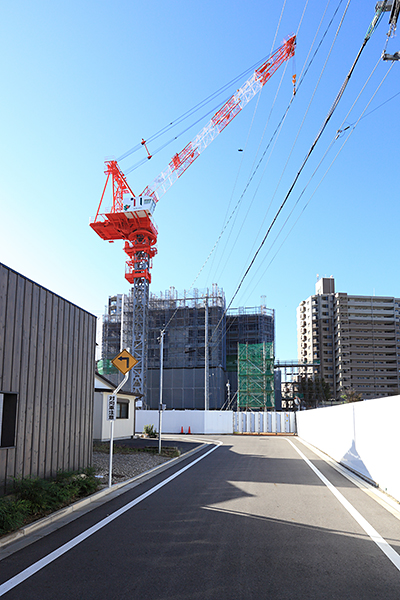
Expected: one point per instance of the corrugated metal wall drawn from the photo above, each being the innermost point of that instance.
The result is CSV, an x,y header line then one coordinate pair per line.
x,y
47,358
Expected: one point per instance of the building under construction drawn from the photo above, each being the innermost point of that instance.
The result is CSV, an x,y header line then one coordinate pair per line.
x,y
246,326
184,318
188,382
256,376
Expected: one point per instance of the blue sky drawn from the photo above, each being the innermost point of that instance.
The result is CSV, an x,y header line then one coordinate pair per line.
x,y
86,81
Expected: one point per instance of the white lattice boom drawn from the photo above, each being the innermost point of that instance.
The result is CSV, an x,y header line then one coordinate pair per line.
x,y
180,162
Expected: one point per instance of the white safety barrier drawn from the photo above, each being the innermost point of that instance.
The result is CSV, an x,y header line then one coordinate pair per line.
x,y
187,421
215,421
264,422
363,436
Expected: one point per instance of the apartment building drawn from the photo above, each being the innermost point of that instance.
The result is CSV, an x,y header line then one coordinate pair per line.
x,y
355,338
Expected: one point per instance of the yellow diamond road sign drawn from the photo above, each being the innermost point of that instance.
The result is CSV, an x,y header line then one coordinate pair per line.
x,y
124,361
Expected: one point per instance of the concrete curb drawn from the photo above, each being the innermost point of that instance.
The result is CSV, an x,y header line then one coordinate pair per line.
x,y
58,519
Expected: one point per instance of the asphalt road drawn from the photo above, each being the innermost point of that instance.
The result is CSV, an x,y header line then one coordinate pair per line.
x,y
251,520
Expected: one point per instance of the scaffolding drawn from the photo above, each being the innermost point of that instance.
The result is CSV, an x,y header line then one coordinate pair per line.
x,y
292,372
184,318
256,376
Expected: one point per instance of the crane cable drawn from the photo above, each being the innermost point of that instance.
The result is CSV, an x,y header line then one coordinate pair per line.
x,y
254,114
371,29
336,102
276,131
262,137
198,274
298,133
188,114
362,116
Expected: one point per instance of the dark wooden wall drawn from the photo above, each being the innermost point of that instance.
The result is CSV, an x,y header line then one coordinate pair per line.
x,y
47,358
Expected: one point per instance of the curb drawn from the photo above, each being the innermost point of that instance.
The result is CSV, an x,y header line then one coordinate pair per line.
x,y
69,513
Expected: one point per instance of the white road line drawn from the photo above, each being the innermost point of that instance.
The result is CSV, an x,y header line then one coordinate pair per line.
x,y
369,530
388,503
40,564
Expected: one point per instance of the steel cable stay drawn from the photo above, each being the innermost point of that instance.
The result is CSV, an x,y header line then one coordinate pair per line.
x,y
157,150
263,134
371,29
351,131
297,136
280,124
189,113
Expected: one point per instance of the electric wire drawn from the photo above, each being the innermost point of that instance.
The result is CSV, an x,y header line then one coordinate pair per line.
x,y
304,71
241,197
311,149
294,143
277,129
327,119
371,29
198,274
261,140
319,134
317,168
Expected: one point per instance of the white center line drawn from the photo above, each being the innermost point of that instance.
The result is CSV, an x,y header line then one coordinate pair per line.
x,y
46,560
369,530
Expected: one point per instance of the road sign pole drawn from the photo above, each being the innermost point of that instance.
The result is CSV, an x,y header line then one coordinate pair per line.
x,y
115,392
111,453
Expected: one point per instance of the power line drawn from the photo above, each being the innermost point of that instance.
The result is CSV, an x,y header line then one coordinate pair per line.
x,y
277,129
328,169
371,29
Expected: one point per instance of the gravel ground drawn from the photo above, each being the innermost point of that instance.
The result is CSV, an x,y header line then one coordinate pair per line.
x,y
125,466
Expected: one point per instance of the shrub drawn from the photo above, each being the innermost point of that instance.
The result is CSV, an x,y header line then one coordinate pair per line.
x,y
41,495
12,514
34,498
150,431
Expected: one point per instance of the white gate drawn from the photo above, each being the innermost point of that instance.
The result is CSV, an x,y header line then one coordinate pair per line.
x,y
264,422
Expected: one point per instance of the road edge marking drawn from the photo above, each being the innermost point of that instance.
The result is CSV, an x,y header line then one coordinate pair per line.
x,y
386,501
46,560
363,523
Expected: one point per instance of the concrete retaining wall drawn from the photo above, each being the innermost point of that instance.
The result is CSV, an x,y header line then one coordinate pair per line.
x,y
363,436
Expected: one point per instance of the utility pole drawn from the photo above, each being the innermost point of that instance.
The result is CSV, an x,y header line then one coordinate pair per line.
x,y
160,406
206,365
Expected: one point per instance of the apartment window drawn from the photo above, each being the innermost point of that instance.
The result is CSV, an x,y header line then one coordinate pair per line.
x,y
122,410
8,417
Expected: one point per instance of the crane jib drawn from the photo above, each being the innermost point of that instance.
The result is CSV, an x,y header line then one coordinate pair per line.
x,y
130,217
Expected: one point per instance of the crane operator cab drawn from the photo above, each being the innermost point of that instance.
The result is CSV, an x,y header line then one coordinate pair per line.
x,y
140,206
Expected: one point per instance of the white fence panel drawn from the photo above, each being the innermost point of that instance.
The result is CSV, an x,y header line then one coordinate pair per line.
x,y
363,436
265,422
217,422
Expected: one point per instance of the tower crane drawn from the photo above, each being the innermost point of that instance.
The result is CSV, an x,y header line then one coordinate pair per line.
x,y
130,216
